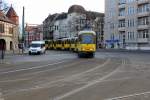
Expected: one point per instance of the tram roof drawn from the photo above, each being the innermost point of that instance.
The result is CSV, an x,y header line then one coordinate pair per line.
x,y
86,31
70,38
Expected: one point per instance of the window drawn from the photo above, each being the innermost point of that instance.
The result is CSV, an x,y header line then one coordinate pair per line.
x,y
1,28
143,8
143,21
143,34
122,12
122,2
131,23
121,23
112,25
130,1
131,10
10,30
131,35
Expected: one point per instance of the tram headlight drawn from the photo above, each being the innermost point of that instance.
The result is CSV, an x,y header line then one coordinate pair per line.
x,y
83,49
91,49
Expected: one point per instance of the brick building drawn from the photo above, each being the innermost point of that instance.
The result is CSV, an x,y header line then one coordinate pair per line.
x,y
33,33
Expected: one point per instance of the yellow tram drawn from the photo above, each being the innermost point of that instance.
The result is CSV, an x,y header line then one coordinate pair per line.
x,y
84,44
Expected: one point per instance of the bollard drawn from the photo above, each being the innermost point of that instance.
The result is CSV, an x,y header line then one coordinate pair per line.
x,y
3,51
2,55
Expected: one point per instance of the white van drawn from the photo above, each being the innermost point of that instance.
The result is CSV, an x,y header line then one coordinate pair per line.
x,y
37,47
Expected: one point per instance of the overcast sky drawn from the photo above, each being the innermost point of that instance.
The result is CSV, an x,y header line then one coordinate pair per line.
x,y
37,10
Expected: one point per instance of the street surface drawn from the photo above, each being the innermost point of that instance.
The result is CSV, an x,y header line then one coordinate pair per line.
x,y
61,75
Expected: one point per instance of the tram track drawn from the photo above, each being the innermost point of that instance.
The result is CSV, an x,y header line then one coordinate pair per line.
x,y
90,83
52,67
72,78
52,80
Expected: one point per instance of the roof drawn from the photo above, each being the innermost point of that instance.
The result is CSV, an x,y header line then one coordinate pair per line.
x,y
11,13
4,18
93,15
76,8
62,16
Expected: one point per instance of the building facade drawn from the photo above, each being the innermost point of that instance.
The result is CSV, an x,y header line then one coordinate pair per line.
x,y
9,29
127,24
69,24
33,33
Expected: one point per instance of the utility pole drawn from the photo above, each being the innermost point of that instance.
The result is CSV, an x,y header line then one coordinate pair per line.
x,y
23,30
0,4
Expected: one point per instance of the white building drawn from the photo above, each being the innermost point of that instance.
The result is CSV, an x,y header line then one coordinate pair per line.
x,y
69,24
127,24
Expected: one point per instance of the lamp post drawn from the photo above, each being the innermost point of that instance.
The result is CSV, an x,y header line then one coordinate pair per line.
x,y
13,32
23,31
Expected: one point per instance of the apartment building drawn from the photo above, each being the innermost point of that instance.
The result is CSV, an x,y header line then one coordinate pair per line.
x,y
127,24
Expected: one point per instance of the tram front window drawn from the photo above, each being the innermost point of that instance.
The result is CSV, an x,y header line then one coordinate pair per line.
x,y
87,39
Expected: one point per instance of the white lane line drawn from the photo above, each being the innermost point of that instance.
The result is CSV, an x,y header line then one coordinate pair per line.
x,y
127,96
31,68
86,86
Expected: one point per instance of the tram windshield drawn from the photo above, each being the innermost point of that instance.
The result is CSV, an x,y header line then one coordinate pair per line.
x,y
87,39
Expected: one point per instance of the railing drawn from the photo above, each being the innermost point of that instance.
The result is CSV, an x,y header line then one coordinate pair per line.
x,y
142,40
143,1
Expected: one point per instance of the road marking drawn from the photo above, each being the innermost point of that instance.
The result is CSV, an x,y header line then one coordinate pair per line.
x,y
14,80
31,68
85,86
64,79
53,69
127,96
79,74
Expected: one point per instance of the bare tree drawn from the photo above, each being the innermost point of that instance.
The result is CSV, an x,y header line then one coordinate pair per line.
x,y
3,6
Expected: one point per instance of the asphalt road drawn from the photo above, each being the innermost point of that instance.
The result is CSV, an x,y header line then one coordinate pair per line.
x,y
61,75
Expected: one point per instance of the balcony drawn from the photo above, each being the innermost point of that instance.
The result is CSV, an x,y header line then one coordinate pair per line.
x,y
143,27
122,6
5,35
121,29
142,40
142,1
141,14
121,17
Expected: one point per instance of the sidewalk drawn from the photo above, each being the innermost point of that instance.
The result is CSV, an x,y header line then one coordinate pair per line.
x,y
16,52
123,50
11,56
